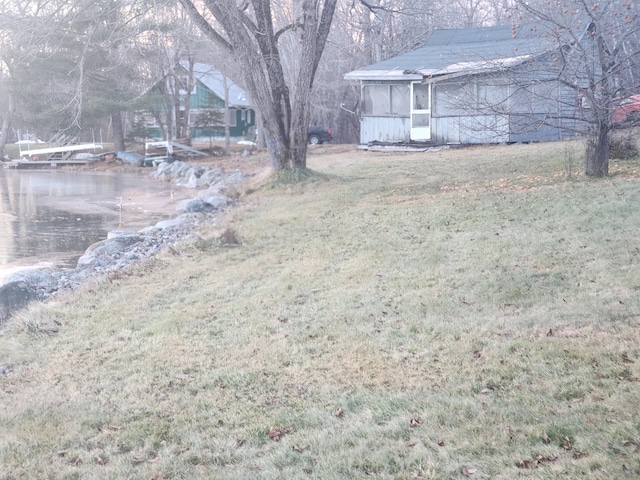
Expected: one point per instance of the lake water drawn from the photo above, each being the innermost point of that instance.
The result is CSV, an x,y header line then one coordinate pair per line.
x,y
50,217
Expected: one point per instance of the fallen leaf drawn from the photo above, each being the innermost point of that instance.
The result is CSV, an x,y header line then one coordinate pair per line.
x,y
550,332
240,442
338,412
415,422
577,455
469,471
542,459
300,449
441,443
527,464
275,434
486,390
626,359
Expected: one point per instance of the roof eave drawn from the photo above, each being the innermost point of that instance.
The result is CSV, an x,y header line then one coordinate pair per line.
x,y
381,75
461,68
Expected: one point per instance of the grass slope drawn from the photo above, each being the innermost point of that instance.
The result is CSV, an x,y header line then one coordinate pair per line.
x,y
470,313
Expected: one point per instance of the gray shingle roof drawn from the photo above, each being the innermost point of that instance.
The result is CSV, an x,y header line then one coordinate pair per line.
x,y
213,80
459,50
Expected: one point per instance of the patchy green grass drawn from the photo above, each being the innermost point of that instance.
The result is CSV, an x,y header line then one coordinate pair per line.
x,y
468,313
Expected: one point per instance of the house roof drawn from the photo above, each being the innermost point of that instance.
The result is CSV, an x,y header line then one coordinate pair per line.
x,y
467,50
214,80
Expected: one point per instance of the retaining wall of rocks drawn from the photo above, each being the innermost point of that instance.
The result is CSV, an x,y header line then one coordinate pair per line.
x,y
122,248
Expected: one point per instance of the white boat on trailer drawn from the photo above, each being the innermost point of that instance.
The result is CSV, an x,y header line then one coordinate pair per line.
x,y
55,156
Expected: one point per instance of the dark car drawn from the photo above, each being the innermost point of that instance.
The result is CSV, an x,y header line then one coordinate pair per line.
x,y
317,135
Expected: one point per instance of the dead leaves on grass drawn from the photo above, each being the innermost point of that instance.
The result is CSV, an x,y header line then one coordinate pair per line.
x,y
467,472
276,434
538,460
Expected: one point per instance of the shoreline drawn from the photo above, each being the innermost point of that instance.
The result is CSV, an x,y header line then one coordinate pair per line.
x,y
122,248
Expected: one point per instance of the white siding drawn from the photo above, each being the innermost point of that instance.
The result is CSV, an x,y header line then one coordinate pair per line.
x,y
384,129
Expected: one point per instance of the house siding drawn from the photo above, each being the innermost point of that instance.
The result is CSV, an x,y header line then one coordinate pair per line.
x,y
384,129
490,108
201,98
489,85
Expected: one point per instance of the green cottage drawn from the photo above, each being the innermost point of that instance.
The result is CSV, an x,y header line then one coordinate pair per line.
x,y
189,103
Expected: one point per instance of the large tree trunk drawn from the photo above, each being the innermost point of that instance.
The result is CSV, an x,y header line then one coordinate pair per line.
x,y
597,155
118,132
253,42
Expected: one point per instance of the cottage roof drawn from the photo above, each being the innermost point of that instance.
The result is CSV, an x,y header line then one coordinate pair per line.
x,y
214,80
467,50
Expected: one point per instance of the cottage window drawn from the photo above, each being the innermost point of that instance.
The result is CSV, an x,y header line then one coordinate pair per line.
x,y
232,117
385,100
470,98
183,82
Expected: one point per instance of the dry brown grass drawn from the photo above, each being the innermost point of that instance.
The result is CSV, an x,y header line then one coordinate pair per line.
x,y
467,313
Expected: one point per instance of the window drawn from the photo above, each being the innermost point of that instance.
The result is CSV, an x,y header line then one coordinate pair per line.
x,y
385,100
477,97
232,117
183,82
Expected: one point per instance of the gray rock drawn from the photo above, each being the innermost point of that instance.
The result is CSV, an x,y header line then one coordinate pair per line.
x,y
210,177
14,296
38,279
197,205
173,223
101,252
216,200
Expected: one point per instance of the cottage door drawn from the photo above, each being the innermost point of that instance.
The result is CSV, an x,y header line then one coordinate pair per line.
x,y
420,111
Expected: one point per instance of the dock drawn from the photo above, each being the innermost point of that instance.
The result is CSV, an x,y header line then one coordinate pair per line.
x,y
44,163
58,156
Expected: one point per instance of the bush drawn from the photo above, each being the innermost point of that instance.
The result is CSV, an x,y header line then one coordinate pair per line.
x,y
623,148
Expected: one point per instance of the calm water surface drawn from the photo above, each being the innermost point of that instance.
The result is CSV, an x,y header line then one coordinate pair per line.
x,y
50,217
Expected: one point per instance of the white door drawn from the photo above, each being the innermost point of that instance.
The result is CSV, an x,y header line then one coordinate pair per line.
x,y
420,111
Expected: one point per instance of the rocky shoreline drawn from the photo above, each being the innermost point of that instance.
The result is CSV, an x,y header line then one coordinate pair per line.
x,y
122,248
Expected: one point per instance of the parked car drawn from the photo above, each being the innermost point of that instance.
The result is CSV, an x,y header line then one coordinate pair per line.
x,y
627,110
317,135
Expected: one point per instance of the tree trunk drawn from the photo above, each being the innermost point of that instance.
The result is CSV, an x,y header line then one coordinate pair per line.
x,y
6,125
597,161
253,42
227,114
118,132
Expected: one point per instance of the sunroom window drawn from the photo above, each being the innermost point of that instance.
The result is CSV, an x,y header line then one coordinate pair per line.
x,y
385,100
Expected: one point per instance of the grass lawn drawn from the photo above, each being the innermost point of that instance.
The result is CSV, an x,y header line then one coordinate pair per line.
x,y
468,313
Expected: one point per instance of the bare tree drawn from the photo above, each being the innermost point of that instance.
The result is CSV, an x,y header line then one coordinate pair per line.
x,y
597,58
250,36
